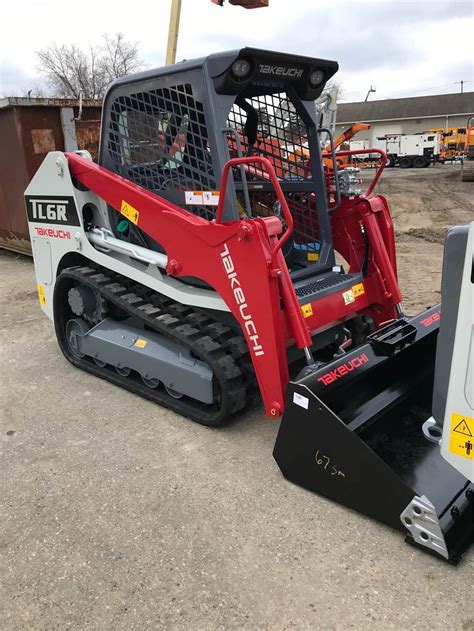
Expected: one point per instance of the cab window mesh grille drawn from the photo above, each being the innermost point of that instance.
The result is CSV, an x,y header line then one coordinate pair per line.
x,y
281,134
282,137
159,139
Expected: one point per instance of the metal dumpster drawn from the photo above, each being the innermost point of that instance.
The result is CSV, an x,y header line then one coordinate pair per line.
x,y
29,129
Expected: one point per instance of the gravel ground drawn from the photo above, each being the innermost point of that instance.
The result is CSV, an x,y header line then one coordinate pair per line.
x,y
117,514
424,204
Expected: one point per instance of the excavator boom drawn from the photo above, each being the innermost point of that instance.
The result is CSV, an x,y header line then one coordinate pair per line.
x,y
348,134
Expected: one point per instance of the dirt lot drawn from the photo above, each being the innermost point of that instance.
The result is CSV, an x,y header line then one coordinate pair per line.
x,y
117,514
424,203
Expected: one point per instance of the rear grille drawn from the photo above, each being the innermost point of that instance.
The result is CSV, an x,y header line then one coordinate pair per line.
x,y
319,285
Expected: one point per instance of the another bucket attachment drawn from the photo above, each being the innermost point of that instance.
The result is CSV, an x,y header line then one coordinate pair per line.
x,y
352,431
453,398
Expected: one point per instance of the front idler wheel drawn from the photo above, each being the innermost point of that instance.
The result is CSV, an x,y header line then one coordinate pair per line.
x,y
87,303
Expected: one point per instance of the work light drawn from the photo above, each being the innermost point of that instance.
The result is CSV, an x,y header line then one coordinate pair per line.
x,y
241,68
316,78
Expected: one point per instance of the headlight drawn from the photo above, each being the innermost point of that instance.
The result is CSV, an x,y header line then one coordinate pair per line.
x,y
241,68
316,78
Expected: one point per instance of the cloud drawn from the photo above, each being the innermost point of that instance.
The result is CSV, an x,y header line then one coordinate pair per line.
x,y
15,80
395,44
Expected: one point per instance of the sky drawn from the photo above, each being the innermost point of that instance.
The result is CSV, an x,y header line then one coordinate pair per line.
x,y
402,47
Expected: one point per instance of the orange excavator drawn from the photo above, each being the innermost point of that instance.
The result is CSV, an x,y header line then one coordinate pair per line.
x,y
301,154
296,158
344,137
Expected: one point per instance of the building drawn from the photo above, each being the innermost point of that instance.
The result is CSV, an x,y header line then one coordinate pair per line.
x,y
408,115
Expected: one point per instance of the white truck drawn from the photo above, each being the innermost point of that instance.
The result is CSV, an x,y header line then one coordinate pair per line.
x,y
365,158
414,150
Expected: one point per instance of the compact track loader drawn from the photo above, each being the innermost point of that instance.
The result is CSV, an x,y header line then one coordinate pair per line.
x,y
201,266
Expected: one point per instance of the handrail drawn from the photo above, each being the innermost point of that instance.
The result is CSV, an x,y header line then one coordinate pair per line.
x,y
265,162
334,165
381,167
238,142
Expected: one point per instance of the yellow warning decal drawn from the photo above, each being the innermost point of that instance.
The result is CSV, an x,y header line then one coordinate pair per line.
x,y
129,212
461,439
348,297
141,343
307,310
358,290
41,295
312,256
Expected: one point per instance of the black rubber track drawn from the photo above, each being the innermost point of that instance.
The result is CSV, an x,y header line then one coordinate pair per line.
x,y
224,350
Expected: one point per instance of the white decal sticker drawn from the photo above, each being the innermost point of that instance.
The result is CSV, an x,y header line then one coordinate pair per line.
x,y
193,197
211,198
348,297
300,400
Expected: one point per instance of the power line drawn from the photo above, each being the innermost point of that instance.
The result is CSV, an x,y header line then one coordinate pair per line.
x,y
434,87
413,91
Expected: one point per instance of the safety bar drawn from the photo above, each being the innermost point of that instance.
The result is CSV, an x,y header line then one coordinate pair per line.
x,y
238,143
265,162
381,167
334,165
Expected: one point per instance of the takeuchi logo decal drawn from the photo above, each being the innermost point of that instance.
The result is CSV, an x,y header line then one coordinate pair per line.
x,y
239,298
344,369
431,319
52,232
281,71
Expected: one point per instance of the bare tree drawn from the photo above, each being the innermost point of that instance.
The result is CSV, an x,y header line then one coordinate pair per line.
x,y
71,70
338,86
119,57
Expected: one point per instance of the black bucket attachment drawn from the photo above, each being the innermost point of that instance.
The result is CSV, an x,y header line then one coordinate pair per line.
x,y
352,431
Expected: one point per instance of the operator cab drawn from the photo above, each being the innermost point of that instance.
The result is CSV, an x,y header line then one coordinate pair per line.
x,y
172,130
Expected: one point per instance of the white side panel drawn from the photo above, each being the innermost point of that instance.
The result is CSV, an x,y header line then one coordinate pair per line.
x,y
457,443
43,260
393,145
379,143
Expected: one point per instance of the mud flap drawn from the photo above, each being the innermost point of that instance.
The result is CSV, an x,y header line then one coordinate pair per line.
x,y
352,431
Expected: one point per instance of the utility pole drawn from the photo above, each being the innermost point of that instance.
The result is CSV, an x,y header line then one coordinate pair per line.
x,y
175,16
173,32
372,89
462,86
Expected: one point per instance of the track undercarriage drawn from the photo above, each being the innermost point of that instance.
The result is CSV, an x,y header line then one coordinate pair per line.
x,y
195,333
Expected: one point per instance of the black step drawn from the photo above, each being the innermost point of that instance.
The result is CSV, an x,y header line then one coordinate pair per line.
x,y
327,282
